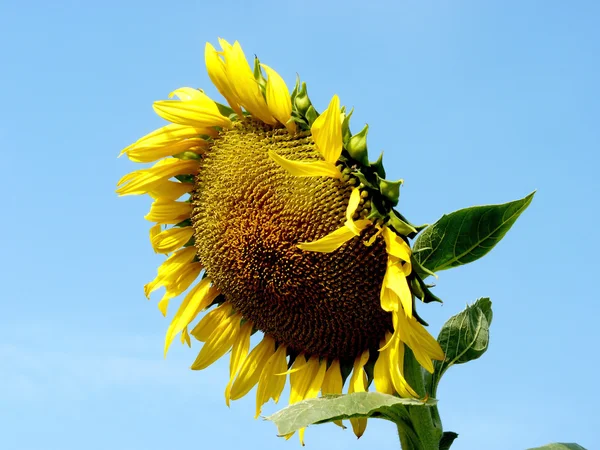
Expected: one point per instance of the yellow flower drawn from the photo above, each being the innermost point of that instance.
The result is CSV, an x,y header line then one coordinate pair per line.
x,y
289,228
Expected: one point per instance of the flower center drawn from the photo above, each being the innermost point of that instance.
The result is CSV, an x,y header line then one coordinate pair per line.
x,y
249,215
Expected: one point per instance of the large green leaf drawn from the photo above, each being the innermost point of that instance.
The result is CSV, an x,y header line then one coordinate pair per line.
x,y
466,235
559,446
464,337
330,408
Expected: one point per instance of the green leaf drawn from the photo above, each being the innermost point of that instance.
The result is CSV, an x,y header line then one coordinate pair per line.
x,y
330,408
464,337
447,439
466,235
559,446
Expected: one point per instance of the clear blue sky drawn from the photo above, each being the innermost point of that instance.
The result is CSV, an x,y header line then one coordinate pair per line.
x,y
473,102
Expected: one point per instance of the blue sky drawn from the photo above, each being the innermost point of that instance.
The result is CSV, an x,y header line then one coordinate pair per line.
x,y
473,102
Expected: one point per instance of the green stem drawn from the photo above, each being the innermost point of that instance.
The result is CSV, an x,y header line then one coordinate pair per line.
x,y
428,432
407,436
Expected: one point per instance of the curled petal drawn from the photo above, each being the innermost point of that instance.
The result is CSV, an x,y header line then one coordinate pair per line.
x,y
306,168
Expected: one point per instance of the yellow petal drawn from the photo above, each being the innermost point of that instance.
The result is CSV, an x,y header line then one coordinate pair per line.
x,y
314,387
170,190
219,342
332,241
199,298
299,364
238,356
306,168
185,337
395,245
167,135
394,354
355,226
397,283
317,380
210,322
358,383
305,381
155,230
278,98
170,270
144,180
299,379
423,345
327,132
187,276
382,374
388,299
149,154
251,369
333,383
167,211
353,203
194,109
171,239
218,75
270,384
243,83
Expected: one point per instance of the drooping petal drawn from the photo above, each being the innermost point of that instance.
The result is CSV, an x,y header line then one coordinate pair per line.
x,y
188,274
167,211
250,371
199,298
335,239
306,383
278,99
395,245
333,383
394,354
210,321
306,168
382,374
329,243
327,132
155,230
270,384
170,270
358,383
397,288
185,337
424,346
170,240
238,356
219,342
300,379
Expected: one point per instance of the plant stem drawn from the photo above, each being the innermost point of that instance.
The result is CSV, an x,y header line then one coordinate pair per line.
x,y
405,442
428,432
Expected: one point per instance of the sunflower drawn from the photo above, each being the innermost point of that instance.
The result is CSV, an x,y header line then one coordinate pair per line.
x,y
275,221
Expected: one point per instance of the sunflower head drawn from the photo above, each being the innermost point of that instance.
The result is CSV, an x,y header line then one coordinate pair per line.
x,y
274,220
